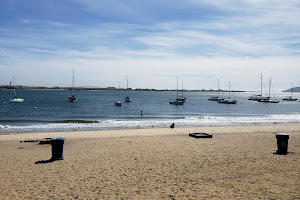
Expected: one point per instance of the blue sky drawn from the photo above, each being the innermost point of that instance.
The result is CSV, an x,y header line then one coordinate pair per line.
x,y
152,42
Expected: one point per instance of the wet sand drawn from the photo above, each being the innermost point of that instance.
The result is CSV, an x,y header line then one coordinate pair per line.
x,y
159,163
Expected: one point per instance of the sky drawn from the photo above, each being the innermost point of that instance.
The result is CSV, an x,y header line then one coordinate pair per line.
x,y
152,42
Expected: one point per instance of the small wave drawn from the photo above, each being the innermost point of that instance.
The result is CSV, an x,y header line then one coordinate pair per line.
x,y
148,123
78,121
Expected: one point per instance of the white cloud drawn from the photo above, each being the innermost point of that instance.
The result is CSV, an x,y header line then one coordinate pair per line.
x,y
25,21
249,39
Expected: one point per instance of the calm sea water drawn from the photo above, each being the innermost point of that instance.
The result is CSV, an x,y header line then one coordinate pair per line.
x,y
52,108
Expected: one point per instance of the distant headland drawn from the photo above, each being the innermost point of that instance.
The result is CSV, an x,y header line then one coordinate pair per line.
x,y
294,89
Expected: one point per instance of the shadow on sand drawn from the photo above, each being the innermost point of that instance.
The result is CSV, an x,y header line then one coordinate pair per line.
x,y
45,161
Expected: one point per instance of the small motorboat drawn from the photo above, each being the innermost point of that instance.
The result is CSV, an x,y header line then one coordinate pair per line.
x,y
16,100
118,103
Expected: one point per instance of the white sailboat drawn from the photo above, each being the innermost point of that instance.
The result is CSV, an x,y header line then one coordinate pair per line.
x,y
127,99
268,99
72,97
177,101
216,98
259,96
291,97
118,103
16,99
228,101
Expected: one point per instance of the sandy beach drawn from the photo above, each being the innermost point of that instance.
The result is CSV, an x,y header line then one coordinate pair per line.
x,y
159,163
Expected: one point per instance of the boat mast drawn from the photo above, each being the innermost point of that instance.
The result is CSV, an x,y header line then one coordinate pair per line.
x,y
218,88
127,85
15,87
229,90
292,90
270,89
177,87
261,85
73,83
182,89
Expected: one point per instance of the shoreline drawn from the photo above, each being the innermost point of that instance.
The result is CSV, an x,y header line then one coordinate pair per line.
x,y
142,131
125,125
112,89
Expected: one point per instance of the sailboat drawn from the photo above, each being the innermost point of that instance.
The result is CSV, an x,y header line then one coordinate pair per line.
x,y
127,99
177,101
267,99
216,98
16,99
228,101
72,97
181,98
259,96
291,97
118,103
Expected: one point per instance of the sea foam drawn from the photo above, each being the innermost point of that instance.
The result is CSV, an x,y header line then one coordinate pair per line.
x,y
149,123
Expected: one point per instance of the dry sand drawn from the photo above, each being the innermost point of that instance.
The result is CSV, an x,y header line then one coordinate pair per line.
x,y
237,163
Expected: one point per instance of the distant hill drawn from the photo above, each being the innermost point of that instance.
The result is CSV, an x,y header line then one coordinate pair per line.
x,y
295,89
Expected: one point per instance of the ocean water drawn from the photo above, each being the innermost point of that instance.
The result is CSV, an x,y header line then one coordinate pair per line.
x,y
52,109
